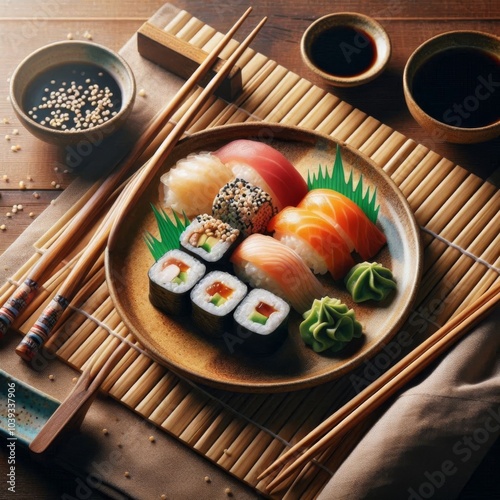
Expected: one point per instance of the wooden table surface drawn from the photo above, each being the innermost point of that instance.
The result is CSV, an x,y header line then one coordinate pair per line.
x,y
35,174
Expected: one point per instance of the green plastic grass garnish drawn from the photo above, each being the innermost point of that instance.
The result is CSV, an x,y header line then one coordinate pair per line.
x,y
336,180
169,233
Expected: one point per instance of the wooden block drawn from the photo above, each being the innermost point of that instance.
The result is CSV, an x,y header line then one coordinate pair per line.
x,y
182,58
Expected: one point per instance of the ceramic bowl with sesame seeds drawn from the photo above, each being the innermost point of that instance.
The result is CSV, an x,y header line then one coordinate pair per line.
x,y
72,91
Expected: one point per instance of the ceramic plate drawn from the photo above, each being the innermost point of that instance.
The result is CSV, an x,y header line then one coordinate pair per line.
x,y
176,344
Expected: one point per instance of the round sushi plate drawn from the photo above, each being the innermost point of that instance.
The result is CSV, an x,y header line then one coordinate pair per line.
x,y
175,343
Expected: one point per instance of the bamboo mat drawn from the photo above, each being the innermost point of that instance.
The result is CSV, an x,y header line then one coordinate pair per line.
x,y
459,216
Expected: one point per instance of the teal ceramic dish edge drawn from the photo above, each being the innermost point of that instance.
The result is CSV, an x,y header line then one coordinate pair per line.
x,y
23,409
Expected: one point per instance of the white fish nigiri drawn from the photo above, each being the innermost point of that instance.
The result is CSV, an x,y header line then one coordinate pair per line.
x,y
192,184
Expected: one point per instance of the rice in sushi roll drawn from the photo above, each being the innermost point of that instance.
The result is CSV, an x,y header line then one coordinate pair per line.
x,y
213,300
210,239
170,280
244,206
261,321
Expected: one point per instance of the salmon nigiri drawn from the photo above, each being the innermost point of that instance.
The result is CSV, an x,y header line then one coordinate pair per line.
x,y
266,167
315,239
264,262
359,232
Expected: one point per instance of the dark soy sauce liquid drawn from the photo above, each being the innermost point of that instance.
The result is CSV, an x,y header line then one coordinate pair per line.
x,y
61,78
460,87
343,51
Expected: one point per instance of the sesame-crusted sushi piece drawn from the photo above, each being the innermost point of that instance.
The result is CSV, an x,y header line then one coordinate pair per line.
x,y
214,299
261,322
171,278
210,239
244,206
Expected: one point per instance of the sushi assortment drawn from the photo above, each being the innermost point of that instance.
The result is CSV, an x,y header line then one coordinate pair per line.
x,y
257,241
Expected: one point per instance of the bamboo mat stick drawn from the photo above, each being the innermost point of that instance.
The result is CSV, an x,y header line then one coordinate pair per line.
x,y
143,384
378,137
240,405
385,386
123,364
42,329
303,106
80,222
156,394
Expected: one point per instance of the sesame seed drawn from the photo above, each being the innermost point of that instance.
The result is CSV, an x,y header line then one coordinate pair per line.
x,y
69,36
32,214
105,432
5,178
15,132
22,185
7,137
127,474
207,479
228,492
52,377
8,214
36,195
3,227
142,93
20,207
152,439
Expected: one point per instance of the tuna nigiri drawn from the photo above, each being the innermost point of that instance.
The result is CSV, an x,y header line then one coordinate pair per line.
x,y
315,239
266,167
359,232
264,262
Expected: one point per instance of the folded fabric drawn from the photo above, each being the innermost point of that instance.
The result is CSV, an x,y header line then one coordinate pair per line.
x,y
430,440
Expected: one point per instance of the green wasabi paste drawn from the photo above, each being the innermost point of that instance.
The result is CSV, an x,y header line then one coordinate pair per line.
x,y
369,281
329,325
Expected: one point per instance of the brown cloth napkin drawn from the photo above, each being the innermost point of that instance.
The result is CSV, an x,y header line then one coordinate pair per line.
x,y
430,440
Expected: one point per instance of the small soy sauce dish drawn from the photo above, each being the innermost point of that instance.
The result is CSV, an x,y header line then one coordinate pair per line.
x,y
73,93
452,86
346,49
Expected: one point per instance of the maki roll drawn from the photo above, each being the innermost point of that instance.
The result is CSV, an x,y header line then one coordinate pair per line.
x,y
214,299
210,239
261,321
244,206
170,280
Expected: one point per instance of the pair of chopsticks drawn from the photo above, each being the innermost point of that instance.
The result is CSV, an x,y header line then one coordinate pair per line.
x,y
362,405
43,327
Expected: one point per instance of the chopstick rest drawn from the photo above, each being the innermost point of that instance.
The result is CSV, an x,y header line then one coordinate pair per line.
x,y
182,59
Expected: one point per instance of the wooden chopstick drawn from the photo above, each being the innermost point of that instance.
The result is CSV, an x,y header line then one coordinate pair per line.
x,y
25,293
43,327
361,406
